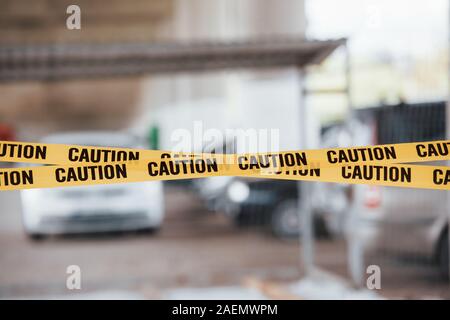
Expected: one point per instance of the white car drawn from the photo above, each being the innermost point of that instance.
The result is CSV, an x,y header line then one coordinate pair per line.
x,y
90,209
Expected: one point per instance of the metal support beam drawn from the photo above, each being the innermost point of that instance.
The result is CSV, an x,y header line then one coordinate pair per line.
x,y
68,61
305,207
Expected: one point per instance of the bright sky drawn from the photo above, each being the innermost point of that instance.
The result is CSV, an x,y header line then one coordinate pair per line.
x,y
398,49
401,26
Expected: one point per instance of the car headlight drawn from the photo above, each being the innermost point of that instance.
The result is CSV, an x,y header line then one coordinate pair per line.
x,y
238,191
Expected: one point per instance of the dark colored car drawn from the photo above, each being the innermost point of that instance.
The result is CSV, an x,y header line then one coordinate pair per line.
x,y
265,202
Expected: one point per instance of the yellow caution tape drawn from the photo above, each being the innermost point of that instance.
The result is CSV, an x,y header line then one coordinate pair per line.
x,y
70,165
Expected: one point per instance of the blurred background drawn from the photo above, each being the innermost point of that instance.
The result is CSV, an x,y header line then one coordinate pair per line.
x,y
147,74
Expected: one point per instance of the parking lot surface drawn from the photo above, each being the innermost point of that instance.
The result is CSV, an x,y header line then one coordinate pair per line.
x,y
195,248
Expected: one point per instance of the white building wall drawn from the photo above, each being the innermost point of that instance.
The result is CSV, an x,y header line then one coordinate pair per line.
x,y
234,99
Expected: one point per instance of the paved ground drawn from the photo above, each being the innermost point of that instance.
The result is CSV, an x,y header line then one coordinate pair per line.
x,y
194,248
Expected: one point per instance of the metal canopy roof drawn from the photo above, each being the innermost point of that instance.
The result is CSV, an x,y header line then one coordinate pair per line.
x,y
67,61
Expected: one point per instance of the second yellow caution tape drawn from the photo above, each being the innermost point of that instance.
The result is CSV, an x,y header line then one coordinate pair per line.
x,y
69,165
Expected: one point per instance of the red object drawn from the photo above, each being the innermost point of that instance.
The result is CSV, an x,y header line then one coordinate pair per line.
x,y
6,132
373,197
